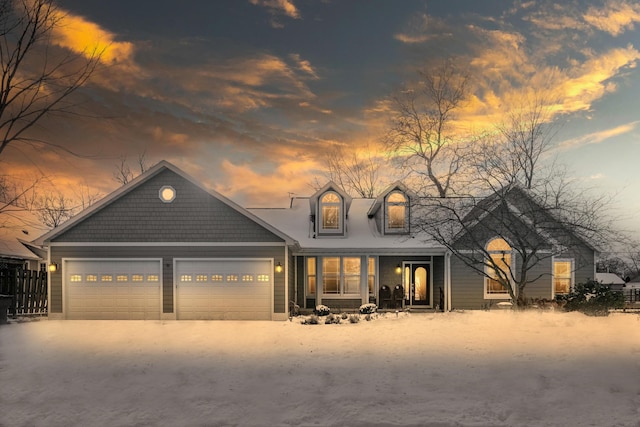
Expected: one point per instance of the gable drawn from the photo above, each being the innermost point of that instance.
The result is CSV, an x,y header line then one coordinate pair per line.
x,y
139,215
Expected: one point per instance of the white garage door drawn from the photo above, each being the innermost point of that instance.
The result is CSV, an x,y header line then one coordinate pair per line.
x,y
224,289
112,289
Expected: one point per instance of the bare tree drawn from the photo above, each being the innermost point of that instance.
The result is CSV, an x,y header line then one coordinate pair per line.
x,y
36,78
122,172
357,172
423,133
534,225
53,209
514,151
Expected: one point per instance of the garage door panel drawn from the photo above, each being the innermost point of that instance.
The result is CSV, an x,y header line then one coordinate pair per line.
x,y
112,289
224,289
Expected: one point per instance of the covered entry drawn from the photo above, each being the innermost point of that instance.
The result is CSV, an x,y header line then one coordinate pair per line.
x,y
112,288
211,289
417,283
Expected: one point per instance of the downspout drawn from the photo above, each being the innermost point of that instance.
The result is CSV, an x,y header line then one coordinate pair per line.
x,y
447,280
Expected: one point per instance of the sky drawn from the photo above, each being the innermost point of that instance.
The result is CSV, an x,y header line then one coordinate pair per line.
x,y
248,96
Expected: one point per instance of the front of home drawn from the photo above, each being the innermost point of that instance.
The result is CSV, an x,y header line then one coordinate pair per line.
x,y
165,247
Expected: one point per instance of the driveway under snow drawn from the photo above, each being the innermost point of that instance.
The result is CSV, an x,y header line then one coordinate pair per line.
x,y
452,369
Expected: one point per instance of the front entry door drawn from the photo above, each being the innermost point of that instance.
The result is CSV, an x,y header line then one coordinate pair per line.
x,y
417,286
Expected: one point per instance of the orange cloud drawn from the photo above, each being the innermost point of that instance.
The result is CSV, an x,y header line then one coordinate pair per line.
x,y
598,137
85,37
281,7
615,17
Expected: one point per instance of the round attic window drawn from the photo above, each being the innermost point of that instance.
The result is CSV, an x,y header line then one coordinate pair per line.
x,y
167,194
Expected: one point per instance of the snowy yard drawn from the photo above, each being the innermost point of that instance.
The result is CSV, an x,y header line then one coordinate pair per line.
x,y
453,369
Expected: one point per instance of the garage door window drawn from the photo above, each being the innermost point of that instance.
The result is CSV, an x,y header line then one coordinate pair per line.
x,y
137,277
216,278
122,278
232,277
106,278
185,278
152,278
91,278
76,278
202,278
263,277
247,277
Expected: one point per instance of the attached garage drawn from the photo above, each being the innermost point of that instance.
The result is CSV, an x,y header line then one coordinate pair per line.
x,y
113,288
213,289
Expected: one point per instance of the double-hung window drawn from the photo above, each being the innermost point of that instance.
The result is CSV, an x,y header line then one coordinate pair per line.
x,y
341,275
396,213
562,276
498,269
331,213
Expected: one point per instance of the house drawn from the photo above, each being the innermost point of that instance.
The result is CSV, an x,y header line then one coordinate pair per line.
x,y
165,247
15,251
614,281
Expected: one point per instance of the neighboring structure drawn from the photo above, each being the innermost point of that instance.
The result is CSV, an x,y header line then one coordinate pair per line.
x,y
15,252
614,281
164,247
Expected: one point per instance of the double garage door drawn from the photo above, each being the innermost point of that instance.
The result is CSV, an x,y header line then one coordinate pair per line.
x,y
204,289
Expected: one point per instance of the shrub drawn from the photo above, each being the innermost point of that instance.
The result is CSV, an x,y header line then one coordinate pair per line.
x,y
368,308
594,299
312,320
322,310
344,316
332,318
354,318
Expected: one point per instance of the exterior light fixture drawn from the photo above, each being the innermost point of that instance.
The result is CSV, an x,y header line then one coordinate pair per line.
x,y
53,267
279,267
398,269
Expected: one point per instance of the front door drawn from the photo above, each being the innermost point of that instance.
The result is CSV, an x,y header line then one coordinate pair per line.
x,y
417,286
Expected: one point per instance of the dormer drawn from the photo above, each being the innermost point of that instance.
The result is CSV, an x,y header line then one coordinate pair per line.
x,y
392,210
329,211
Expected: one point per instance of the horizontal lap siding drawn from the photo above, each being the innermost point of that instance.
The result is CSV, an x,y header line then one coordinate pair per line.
x,y
167,254
467,286
541,287
194,216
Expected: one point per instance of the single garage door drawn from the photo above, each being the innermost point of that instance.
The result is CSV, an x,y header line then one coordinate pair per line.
x,y
224,289
113,289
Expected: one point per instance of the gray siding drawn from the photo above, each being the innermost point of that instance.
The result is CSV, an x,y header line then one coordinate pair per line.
x,y
167,253
467,286
194,216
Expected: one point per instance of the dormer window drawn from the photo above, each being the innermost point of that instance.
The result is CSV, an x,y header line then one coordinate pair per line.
x,y
397,213
331,213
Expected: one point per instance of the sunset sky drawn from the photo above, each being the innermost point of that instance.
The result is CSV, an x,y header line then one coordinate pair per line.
x,y
247,95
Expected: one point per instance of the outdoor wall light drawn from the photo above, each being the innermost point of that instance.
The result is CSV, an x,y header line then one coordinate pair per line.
x,y
398,269
278,267
53,267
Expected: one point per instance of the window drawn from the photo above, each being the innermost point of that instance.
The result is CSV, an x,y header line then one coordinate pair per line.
x,y
232,277
500,253
122,278
152,278
247,277
311,276
167,194
76,278
341,275
201,277
397,217
137,278
186,278
263,277
216,277
330,212
371,276
562,276
106,278
91,278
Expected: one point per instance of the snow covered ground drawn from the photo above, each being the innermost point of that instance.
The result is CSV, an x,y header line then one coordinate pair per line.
x,y
453,369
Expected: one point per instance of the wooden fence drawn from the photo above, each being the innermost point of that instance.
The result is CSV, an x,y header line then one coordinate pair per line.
x,y
631,296
28,289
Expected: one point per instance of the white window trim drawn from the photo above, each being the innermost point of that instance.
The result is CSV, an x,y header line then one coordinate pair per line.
x,y
503,296
320,278
387,204
341,216
573,274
